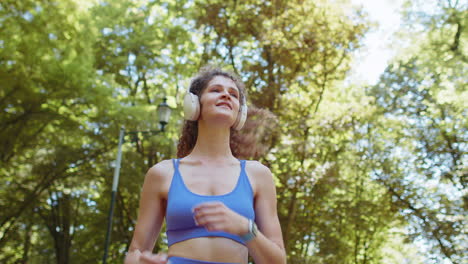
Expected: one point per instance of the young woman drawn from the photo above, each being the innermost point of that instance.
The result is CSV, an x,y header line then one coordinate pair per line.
x,y
218,209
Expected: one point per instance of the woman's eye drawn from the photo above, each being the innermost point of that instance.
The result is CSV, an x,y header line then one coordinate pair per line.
x,y
234,95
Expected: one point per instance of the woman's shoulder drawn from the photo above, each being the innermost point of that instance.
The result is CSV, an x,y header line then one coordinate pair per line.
x,y
161,170
260,177
258,170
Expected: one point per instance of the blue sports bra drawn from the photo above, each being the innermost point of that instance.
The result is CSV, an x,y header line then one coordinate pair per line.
x,y
180,201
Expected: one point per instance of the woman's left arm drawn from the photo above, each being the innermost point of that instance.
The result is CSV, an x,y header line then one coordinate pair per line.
x,y
268,245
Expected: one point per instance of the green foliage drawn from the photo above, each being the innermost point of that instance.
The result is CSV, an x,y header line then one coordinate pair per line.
x,y
422,101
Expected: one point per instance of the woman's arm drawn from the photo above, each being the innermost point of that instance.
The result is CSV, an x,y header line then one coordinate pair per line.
x,y
151,212
268,245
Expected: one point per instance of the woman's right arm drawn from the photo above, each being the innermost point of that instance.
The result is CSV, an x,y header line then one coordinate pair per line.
x,y
151,212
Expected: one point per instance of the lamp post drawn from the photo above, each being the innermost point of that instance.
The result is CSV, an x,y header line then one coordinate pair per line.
x,y
164,112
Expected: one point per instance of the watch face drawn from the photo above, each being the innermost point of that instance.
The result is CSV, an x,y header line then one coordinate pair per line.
x,y
254,229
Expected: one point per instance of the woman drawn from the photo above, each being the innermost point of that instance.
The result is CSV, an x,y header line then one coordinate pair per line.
x,y
212,201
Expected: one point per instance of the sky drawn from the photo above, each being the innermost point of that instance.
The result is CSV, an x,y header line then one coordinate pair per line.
x,y
372,59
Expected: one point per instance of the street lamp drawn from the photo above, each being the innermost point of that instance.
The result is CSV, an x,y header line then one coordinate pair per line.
x,y
164,112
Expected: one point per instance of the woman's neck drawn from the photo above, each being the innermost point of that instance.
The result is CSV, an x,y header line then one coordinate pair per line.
x,y
212,143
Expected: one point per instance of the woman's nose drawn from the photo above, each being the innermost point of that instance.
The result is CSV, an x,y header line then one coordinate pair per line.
x,y
225,94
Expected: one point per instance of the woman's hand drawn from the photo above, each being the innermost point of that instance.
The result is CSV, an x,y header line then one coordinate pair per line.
x,y
137,257
216,216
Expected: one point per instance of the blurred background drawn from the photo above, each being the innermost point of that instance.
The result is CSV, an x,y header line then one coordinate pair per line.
x,y
369,149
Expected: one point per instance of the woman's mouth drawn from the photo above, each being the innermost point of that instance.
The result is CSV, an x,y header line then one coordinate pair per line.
x,y
226,105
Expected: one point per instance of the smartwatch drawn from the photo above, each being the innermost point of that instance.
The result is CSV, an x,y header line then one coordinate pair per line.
x,y
253,230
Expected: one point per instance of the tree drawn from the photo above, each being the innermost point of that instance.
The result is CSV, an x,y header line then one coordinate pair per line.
x,y
421,96
46,90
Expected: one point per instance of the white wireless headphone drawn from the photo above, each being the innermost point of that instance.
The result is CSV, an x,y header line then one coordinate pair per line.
x,y
192,110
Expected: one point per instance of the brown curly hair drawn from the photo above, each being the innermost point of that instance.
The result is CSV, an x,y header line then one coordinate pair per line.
x,y
243,143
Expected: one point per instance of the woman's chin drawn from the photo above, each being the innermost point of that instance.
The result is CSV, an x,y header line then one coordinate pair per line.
x,y
219,120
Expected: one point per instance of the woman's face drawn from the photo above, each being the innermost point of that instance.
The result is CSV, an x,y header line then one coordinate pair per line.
x,y
220,101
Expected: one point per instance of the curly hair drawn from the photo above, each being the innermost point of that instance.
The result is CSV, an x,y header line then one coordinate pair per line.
x,y
242,143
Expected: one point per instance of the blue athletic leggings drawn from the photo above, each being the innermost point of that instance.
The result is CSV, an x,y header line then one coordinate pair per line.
x,y
180,260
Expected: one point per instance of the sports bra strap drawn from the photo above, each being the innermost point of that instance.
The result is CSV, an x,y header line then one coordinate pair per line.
x,y
242,164
176,164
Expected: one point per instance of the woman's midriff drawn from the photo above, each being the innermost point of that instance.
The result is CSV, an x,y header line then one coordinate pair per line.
x,y
216,249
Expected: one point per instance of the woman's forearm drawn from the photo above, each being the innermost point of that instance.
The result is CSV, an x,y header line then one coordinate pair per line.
x,y
265,251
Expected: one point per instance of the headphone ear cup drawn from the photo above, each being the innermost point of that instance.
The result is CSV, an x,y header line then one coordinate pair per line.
x,y
241,117
191,107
